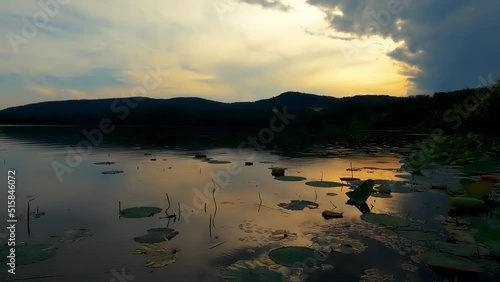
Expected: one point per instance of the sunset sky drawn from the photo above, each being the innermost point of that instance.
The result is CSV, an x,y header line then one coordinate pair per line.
x,y
237,50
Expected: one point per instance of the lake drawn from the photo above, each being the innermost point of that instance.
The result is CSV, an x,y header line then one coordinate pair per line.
x,y
225,231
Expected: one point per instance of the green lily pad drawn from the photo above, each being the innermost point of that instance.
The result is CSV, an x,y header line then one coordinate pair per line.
x,y
490,237
451,263
218,162
290,178
418,235
28,253
139,212
339,244
295,256
463,250
480,167
349,179
298,205
73,235
324,184
362,192
331,214
160,255
157,235
113,172
496,211
465,202
385,219
251,271
104,163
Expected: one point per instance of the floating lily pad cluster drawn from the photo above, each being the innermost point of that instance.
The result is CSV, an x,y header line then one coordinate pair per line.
x,y
295,256
28,253
158,254
298,205
250,271
338,244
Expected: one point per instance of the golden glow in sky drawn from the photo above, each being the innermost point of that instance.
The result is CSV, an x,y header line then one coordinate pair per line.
x,y
224,50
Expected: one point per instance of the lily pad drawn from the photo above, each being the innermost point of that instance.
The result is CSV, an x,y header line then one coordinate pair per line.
x,y
489,236
479,190
282,235
113,172
157,235
331,214
339,244
465,202
362,192
251,271
290,178
418,235
139,212
28,253
385,219
349,179
160,255
298,205
73,235
218,162
104,163
324,184
451,262
480,167
463,250
295,256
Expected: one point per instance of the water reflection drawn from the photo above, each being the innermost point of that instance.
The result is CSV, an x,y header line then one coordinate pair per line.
x,y
234,221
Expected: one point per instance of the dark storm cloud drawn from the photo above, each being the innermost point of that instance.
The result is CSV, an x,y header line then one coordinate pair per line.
x,y
272,4
448,44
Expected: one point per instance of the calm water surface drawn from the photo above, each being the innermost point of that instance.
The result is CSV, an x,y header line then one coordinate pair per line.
x,y
86,198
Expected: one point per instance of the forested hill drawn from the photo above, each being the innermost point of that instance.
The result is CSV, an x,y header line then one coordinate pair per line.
x,y
462,110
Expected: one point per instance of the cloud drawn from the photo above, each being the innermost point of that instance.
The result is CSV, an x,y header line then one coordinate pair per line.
x,y
44,91
271,4
248,50
442,45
